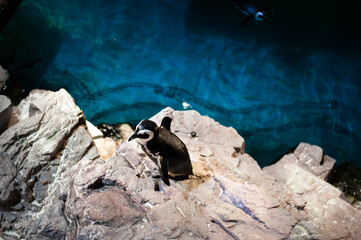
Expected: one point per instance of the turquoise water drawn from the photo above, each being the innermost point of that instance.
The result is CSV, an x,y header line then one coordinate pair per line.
x,y
293,78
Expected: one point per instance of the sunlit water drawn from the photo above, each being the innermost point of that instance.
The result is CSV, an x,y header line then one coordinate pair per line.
x,y
293,78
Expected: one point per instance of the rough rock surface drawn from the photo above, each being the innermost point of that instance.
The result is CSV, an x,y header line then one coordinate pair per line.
x,y
47,138
57,187
329,216
311,158
5,112
106,147
94,131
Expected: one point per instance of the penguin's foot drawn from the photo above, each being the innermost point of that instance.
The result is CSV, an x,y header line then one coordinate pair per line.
x,y
156,176
179,177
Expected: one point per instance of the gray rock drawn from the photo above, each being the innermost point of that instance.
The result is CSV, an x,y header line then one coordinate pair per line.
x,y
5,112
49,138
312,159
35,141
110,209
94,131
329,217
227,192
232,196
9,195
65,191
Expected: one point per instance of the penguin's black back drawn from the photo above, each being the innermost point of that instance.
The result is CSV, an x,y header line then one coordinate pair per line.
x,y
167,144
171,148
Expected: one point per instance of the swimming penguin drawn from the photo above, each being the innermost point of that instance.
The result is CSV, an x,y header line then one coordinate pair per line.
x,y
251,10
164,148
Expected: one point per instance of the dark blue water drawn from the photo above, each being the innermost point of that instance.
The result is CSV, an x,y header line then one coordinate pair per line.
x,y
296,77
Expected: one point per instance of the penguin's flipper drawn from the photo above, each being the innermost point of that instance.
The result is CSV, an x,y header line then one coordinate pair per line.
x,y
166,123
245,21
163,169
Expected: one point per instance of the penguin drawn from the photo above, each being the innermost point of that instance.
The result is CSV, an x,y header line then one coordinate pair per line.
x,y
164,148
251,10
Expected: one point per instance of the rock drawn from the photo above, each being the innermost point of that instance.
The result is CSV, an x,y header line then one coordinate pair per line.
x,y
38,151
9,195
5,112
94,131
111,208
311,158
126,131
114,135
329,216
63,190
304,173
106,147
81,196
220,165
42,134
27,107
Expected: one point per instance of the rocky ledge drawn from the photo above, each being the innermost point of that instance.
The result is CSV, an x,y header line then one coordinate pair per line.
x,y
54,185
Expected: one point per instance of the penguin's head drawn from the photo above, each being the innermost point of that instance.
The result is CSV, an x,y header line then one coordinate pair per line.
x,y
260,16
144,132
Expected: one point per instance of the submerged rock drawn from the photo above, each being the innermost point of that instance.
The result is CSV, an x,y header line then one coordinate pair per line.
x,y
55,185
4,76
7,10
347,178
110,130
10,87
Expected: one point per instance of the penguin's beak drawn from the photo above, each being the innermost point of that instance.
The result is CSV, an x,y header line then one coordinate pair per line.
x,y
133,136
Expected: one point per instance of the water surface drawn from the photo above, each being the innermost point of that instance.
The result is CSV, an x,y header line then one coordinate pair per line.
x,y
293,78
